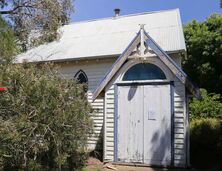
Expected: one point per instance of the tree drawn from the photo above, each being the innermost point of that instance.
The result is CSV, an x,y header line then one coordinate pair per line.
x,y
44,119
8,46
40,18
204,52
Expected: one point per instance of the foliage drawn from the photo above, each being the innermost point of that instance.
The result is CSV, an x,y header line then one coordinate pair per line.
x,y
203,63
206,143
40,18
204,52
206,131
44,119
208,107
8,46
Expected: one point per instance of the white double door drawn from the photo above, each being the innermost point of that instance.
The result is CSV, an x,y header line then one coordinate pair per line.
x,y
144,124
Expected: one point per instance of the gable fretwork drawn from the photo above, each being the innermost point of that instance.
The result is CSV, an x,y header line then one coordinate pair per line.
x,y
141,47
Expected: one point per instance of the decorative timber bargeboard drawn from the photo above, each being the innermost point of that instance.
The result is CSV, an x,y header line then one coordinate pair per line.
x,y
143,38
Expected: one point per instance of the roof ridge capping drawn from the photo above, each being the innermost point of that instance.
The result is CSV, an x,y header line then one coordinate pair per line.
x,y
123,16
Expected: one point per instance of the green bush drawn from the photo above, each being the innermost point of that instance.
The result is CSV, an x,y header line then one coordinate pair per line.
x,y
206,142
204,52
209,106
44,119
8,47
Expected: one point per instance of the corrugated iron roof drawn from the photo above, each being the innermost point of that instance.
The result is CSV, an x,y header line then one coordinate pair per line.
x,y
110,36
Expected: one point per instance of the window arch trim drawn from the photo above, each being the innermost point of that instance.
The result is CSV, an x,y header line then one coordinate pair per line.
x,y
143,71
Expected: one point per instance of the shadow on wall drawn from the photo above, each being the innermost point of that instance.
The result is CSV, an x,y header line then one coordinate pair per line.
x,y
98,152
160,145
132,92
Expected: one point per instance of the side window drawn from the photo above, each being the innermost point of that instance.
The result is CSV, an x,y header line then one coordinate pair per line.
x,y
81,78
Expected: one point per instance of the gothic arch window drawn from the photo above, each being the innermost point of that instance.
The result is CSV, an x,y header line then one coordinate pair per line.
x,y
81,77
144,71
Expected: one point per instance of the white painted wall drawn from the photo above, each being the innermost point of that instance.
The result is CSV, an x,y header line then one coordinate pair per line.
x,y
104,110
95,71
179,112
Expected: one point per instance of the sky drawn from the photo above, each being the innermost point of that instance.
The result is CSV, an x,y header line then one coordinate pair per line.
x,y
189,9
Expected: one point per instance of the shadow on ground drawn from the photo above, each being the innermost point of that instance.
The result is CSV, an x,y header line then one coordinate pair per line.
x,y
94,164
134,168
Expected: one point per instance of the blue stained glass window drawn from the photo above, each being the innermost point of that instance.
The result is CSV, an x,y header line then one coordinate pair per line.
x,y
144,71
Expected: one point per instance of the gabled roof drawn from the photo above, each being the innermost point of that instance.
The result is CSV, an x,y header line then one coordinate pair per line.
x,y
144,38
109,37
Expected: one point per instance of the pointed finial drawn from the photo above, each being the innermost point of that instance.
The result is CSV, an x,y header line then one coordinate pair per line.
x,y
142,26
142,39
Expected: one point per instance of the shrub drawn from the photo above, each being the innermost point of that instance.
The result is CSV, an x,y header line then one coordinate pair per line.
x,y
208,107
204,51
44,119
206,142
8,47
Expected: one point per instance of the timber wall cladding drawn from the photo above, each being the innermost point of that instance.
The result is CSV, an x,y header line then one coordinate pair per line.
x,y
95,71
179,141
179,125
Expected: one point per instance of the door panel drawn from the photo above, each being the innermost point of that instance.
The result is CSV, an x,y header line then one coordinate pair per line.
x,y
130,124
157,127
144,124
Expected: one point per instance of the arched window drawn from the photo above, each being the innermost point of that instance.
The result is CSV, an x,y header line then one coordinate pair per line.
x,y
144,71
81,77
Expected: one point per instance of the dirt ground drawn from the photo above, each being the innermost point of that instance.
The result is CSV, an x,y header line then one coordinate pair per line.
x,y
96,165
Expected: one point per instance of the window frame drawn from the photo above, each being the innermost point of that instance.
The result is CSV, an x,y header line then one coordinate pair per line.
x,y
81,72
143,80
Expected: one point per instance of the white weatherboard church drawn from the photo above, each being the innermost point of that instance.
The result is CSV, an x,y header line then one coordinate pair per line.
x,y
132,65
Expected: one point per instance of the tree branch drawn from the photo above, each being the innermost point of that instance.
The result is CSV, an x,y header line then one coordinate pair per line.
x,y
6,12
13,11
